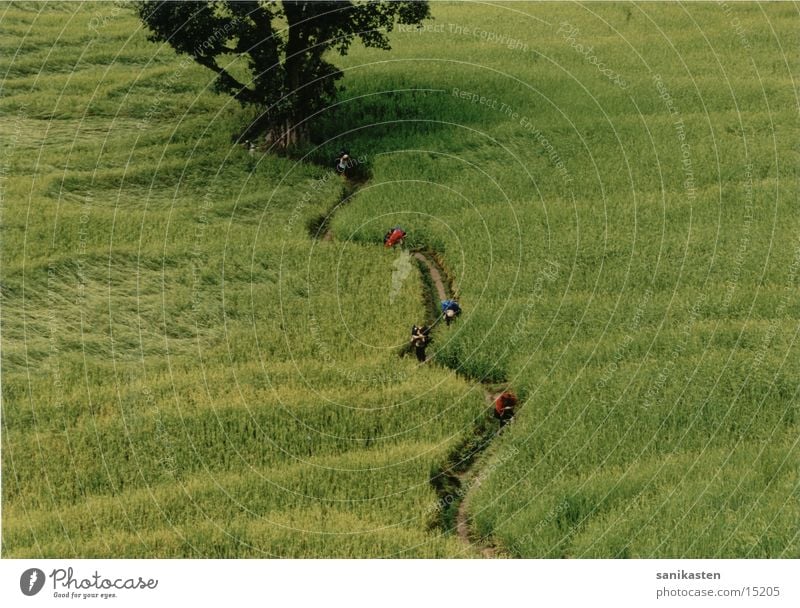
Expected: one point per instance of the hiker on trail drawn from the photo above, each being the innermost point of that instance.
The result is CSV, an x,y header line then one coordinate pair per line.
x,y
420,337
393,237
342,162
504,407
450,310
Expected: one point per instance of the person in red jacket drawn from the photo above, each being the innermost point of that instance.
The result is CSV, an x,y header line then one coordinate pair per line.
x,y
504,407
393,237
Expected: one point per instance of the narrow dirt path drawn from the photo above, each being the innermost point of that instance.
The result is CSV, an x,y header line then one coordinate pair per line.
x,y
433,271
459,474
463,468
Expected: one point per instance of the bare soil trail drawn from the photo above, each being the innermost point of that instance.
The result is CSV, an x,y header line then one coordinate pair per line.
x,y
436,276
461,472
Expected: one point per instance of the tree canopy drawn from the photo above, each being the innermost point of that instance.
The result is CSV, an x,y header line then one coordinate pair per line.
x,y
282,44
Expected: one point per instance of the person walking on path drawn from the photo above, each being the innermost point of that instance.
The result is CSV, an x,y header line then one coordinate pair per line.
x,y
420,337
504,407
450,310
342,162
393,237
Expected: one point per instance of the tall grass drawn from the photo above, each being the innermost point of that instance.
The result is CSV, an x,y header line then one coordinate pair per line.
x,y
187,373
632,271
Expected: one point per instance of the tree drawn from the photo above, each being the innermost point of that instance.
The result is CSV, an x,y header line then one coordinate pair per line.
x,y
283,45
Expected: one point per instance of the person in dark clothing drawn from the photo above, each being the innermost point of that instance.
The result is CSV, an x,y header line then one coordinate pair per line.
x,y
504,407
342,162
420,337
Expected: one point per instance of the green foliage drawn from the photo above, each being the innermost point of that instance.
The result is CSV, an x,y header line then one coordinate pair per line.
x,y
280,47
646,321
187,373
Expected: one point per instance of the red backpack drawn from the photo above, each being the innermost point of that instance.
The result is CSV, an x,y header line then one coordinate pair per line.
x,y
394,237
505,401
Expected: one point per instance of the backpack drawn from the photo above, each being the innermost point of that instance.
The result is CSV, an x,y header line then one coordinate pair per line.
x,y
450,305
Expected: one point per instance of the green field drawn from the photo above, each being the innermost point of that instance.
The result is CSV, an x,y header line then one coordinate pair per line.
x,y
186,372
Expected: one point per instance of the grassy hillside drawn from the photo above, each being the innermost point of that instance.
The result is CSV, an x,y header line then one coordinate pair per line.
x,y
187,373
627,257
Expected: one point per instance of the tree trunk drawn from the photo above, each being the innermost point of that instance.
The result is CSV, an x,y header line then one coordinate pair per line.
x,y
284,136
295,49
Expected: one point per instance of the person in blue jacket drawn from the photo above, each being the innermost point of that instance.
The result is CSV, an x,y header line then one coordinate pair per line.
x,y
450,310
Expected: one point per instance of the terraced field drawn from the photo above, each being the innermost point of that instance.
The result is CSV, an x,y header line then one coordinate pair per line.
x,y
188,372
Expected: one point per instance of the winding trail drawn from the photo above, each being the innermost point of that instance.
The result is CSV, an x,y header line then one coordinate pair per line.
x,y
460,474
433,271
461,470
